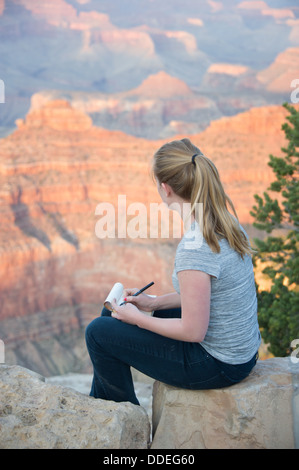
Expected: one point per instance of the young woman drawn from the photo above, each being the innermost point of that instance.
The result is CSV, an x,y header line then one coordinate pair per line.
x,y
205,334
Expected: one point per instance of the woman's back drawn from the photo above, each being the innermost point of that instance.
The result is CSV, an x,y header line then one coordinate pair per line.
x,y
233,333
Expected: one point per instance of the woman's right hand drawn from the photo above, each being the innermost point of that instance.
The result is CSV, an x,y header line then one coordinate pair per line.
x,y
142,301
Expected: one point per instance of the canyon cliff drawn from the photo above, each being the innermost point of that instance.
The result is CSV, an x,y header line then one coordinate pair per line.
x,y
55,271
150,70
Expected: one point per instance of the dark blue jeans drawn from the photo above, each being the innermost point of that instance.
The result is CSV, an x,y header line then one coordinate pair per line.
x,y
115,346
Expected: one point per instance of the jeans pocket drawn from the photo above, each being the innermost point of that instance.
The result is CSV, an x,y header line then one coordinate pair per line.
x,y
196,354
221,380
229,380
207,383
234,374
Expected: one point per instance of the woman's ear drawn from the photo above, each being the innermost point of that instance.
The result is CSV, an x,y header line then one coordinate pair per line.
x,y
167,189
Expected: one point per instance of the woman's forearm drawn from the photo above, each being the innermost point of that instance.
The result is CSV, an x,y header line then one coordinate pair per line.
x,y
192,324
174,328
162,302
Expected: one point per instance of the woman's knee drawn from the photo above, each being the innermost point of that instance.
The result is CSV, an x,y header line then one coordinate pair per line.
x,y
92,331
97,328
89,333
105,312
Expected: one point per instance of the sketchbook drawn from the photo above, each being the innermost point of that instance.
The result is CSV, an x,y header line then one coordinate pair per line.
x,y
117,292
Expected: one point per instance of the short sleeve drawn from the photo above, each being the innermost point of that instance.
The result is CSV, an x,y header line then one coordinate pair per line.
x,y
198,258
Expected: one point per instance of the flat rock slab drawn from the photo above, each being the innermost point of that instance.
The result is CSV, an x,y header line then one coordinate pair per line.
x,y
260,412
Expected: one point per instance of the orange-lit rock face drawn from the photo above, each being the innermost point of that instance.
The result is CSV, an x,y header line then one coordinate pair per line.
x,y
59,115
150,109
161,85
51,183
280,74
54,171
240,147
143,72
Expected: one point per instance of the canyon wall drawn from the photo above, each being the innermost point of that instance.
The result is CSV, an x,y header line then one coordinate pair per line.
x,y
150,70
55,271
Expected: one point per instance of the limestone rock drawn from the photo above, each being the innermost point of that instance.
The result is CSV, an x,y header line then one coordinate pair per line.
x,y
161,85
38,415
59,115
280,74
256,413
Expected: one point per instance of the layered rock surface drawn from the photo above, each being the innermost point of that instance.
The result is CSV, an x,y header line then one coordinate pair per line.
x,y
154,109
39,415
261,412
231,58
279,76
55,271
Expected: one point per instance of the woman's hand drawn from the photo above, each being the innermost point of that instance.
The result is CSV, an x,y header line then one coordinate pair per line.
x,y
127,313
195,289
142,301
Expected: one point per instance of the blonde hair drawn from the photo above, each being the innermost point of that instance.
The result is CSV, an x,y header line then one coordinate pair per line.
x,y
196,180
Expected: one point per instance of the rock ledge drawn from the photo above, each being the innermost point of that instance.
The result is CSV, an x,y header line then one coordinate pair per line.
x,y
262,412
38,415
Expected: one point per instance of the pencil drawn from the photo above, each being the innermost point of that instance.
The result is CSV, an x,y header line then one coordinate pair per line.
x,y
141,290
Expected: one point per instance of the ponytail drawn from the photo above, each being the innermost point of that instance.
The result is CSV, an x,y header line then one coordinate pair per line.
x,y
194,178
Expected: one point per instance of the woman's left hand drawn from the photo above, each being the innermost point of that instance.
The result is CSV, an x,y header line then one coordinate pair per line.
x,y
127,313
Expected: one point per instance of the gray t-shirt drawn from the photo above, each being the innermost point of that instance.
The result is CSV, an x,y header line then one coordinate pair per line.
x,y
233,333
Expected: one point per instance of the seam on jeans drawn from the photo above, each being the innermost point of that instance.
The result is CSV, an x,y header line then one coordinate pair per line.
x,y
201,382
204,359
190,358
97,377
133,348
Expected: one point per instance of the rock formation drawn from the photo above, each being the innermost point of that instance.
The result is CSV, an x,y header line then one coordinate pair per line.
x,y
279,75
240,146
161,85
55,272
54,171
103,51
145,111
57,114
260,412
38,415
